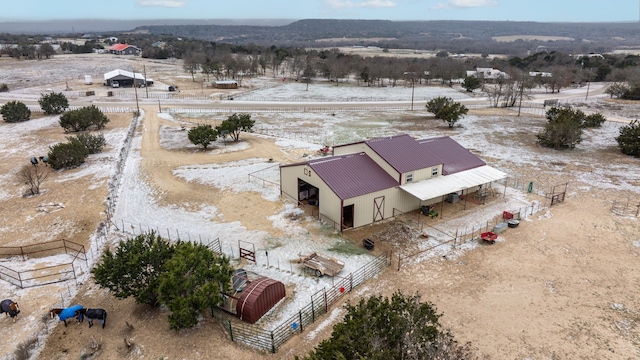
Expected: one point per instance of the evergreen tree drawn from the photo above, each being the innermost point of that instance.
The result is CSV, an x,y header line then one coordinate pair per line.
x,y
380,328
563,129
629,139
15,111
202,135
53,103
134,269
67,155
235,124
447,110
192,282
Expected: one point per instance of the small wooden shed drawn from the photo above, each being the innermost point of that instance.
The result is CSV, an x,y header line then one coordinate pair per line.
x,y
226,84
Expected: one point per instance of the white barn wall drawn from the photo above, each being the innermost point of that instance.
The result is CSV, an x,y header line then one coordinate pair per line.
x,y
329,201
363,211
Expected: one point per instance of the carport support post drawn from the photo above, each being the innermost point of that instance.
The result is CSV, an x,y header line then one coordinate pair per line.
x,y
442,207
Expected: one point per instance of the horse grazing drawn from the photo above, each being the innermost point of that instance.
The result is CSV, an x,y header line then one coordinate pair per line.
x,y
11,308
93,314
64,314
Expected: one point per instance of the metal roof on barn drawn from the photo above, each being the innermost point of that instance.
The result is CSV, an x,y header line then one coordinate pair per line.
x,y
455,157
122,73
403,153
352,175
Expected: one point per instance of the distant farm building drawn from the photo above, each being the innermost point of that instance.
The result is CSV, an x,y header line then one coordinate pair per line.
x,y
126,79
225,84
540,73
488,74
376,179
124,49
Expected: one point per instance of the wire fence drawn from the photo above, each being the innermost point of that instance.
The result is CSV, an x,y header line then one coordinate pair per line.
x,y
104,109
465,235
130,229
321,302
626,207
34,273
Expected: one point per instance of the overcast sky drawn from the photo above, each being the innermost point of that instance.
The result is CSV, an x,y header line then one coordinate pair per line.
x,y
516,10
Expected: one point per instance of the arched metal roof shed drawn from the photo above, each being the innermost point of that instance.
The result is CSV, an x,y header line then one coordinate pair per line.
x,y
258,297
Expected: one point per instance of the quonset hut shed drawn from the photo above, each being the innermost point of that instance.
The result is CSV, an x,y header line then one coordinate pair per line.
x,y
254,295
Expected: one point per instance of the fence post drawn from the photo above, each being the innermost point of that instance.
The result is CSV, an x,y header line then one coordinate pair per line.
x,y
326,307
313,311
231,330
300,317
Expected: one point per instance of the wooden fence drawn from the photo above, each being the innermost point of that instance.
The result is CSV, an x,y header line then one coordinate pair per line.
x,y
42,275
321,302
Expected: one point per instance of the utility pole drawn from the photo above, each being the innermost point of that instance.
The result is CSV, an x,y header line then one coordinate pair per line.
x,y
146,88
135,89
521,93
588,83
413,87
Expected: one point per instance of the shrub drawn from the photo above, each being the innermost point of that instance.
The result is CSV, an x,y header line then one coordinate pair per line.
x,y
446,109
82,119
402,327
73,121
53,103
4,87
93,143
202,135
67,155
15,111
594,120
563,129
629,139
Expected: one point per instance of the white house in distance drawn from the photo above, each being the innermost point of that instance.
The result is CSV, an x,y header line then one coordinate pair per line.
x,y
376,179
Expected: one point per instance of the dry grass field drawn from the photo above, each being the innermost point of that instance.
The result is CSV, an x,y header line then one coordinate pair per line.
x,y
563,285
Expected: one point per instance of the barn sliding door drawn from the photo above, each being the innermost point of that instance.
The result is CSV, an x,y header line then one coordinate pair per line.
x,y
378,209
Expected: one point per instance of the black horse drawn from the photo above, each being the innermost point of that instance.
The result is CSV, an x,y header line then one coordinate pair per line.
x,y
93,314
11,308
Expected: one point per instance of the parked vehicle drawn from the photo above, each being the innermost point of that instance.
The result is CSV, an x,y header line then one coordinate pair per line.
x,y
115,84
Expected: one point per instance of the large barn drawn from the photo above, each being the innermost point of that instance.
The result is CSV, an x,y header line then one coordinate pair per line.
x,y
126,78
376,179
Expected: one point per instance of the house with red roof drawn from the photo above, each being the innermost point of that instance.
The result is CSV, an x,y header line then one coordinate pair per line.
x,y
124,49
375,179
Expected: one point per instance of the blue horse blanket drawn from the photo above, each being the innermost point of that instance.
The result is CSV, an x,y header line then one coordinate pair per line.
x,y
69,312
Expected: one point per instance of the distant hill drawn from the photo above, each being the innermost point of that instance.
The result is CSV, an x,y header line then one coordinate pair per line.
x,y
457,36
101,26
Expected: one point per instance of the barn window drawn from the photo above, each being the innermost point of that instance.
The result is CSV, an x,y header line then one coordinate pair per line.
x,y
434,171
409,178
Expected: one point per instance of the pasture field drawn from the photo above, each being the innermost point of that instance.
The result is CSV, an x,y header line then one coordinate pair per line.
x,y
563,284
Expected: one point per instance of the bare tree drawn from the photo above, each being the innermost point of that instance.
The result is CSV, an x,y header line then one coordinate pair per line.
x,y
33,176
